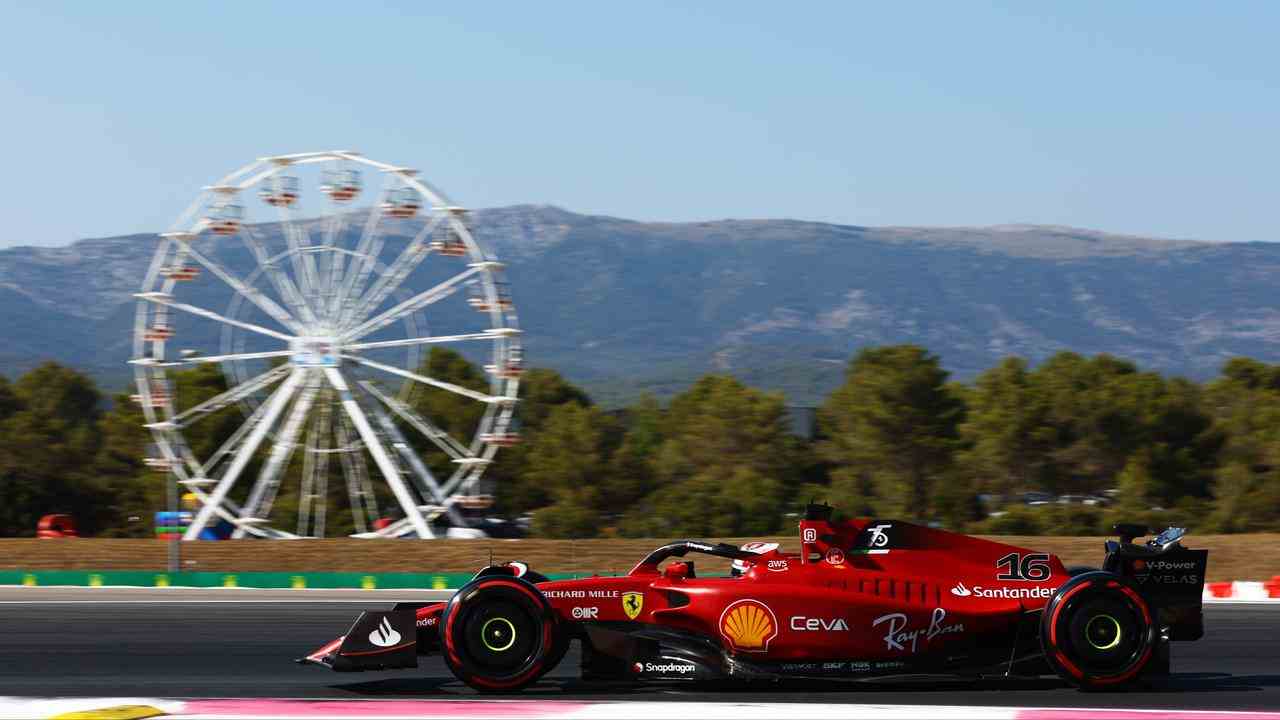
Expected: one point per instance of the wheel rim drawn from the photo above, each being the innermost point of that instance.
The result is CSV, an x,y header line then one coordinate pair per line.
x,y
1103,632
498,634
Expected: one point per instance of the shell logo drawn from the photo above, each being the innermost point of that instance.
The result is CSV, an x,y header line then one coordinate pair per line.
x,y
748,625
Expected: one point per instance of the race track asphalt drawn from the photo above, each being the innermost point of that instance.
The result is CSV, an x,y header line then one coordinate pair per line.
x,y
244,648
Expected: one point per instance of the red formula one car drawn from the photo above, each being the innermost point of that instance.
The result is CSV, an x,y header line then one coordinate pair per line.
x,y
863,599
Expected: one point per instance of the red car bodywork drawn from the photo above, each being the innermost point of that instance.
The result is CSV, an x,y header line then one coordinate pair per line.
x,y
862,598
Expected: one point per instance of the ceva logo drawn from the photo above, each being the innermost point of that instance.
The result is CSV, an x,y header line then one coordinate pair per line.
x,y
384,635
813,624
960,590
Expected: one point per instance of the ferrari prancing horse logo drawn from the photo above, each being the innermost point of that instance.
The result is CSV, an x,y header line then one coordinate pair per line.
x,y
632,603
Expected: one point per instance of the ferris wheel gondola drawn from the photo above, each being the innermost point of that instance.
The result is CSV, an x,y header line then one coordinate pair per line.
x,y
303,343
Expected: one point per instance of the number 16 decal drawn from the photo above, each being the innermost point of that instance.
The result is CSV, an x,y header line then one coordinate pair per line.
x,y
1032,567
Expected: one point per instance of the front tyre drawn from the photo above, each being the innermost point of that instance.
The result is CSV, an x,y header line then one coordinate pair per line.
x,y
1097,632
499,633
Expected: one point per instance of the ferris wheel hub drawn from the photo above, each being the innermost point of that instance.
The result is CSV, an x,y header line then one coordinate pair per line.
x,y
315,351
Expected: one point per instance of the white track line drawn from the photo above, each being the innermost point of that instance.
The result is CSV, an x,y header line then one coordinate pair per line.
x,y
268,708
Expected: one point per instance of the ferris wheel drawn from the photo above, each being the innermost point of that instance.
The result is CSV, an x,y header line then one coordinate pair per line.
x,y
320,346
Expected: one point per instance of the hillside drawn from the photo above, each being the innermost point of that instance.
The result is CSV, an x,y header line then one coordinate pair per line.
x,y
625,306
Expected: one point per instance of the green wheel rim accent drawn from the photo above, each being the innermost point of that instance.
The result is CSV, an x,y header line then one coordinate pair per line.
x,y
484,634
1106,620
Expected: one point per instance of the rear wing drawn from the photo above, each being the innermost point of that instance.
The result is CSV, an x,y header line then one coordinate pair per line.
x,y
1169,576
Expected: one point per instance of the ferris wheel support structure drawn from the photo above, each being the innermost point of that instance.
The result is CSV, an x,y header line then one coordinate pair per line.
x,y
325,292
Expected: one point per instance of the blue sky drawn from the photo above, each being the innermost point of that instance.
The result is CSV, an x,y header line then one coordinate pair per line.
x,y
1144,117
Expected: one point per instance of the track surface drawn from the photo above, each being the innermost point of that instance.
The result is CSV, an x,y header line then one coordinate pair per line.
x,y
244,648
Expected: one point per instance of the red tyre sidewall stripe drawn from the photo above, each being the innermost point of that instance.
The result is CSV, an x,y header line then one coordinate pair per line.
x,y
548,632
1061,657
1058,654
1057,610
1142,661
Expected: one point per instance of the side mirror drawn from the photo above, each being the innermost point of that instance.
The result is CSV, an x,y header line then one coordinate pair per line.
x,y
676,571
1129,531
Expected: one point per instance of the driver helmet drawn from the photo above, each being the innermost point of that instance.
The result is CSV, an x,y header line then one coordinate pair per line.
x,y
760,548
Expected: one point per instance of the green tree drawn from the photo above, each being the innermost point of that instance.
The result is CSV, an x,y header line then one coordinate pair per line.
x,y
724,436
1103,410
569,460
44,443
9,402
542,392
1005,434
893,425
1246,485
631,470
136,492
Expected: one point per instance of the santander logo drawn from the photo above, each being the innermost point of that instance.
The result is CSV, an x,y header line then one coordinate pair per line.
x,y
1005,593
384,635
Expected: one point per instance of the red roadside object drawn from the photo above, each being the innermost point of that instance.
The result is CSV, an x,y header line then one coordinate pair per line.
x,y
1273,587
56,526
1220,589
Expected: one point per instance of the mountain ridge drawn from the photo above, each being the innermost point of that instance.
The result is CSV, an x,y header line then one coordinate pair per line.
x,y
625,306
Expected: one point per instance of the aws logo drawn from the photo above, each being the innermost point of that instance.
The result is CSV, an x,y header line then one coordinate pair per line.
x,y
748,625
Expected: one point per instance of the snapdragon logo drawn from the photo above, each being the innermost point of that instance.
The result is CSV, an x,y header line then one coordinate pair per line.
x,y
1005,593
665,668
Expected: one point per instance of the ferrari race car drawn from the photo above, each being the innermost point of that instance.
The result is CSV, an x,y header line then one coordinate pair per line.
x,y
863,599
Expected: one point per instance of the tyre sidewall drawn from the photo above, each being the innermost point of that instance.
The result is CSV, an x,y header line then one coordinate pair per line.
x,y
1060,610
471,597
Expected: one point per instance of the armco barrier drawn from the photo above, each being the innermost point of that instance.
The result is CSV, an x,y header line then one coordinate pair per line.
x,y
295,581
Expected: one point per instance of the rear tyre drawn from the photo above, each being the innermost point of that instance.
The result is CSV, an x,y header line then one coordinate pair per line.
x,y
499,633
1097,632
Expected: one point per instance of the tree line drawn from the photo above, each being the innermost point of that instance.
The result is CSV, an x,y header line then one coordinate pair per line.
x,y
898,438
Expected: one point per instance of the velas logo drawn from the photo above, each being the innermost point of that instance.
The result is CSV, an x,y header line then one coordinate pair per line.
x,y
748,625
384,635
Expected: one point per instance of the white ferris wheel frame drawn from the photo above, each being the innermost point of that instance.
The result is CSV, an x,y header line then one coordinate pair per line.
x,y
337,306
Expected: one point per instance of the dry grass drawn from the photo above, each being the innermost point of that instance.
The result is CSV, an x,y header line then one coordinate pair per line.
x,y
1232,557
